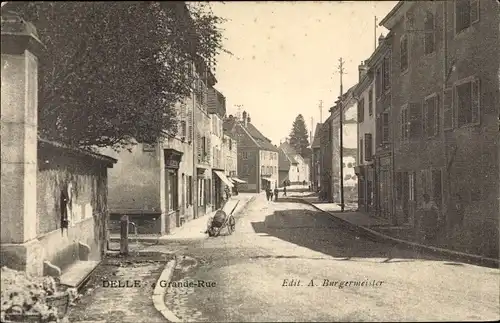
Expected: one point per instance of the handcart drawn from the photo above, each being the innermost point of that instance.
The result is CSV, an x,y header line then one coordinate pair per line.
x,y
220,221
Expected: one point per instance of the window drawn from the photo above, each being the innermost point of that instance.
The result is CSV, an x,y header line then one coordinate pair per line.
x,y
370,102
244,155
387,72
405,129
437,193
385,127
430,36
343,165
431,124
230,144
404,53
411,186
172,193
361,110
361,148
189,191
468,103
466,14
378,82
368,146
183,129
448,109
415,111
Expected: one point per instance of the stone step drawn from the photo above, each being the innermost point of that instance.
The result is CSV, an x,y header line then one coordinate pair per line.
x,y
77,274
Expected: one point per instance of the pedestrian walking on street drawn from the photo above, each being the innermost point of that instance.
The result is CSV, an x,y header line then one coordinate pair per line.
x,y
269,193
429,220
284,191
276,191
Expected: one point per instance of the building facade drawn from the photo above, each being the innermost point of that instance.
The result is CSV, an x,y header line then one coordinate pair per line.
x,y
327,142
348,105
365,170
220,182
163,185
315,167
445,98
292,167
257,156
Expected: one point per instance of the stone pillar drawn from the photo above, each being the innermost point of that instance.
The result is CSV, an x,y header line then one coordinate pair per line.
x,y
19,96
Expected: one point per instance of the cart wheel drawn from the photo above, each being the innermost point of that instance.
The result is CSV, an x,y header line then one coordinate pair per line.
x,y
231,225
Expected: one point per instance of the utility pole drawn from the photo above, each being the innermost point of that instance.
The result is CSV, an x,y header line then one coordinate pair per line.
x,y
341,108
321,111
375,33
194,187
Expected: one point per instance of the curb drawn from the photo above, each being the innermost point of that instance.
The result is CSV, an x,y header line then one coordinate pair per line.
x,y
457,255
160,291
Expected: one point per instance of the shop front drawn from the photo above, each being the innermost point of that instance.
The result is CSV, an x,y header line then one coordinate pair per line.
x,y
236,181
220,183
173,214
384,187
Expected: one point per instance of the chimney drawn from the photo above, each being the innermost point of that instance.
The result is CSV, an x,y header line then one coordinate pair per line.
x,y
362,68
248,118
381,39
245,120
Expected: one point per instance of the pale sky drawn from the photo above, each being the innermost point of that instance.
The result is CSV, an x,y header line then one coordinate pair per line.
x,y
286,56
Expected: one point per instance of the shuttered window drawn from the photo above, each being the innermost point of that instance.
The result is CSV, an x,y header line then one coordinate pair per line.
x,y
415,110
467,98
429,40
431,114
404,59
190,124
370,102
361,110
368,146
385,127
361,148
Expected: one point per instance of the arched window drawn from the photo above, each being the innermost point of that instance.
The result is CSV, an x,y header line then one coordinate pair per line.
x,y
429,40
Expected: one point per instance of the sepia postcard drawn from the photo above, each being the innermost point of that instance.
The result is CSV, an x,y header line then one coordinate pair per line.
x,y
239,161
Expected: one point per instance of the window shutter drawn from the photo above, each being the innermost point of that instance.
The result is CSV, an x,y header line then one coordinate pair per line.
x,y
361,148
199,150
190,124
448,109
415,120
368,146
474,11
476,104
385,126
208,148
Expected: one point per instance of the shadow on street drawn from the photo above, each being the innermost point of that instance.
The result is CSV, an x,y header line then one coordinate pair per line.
x,y
326,234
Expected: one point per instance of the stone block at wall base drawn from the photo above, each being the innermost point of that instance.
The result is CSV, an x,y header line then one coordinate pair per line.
x,y
24,257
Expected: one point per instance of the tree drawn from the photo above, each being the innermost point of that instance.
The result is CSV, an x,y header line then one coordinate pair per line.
x,y
299,138
112,72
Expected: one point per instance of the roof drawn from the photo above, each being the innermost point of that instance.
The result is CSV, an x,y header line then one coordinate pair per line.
x,y
78,151
283,161
261,140
289,152
317,134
